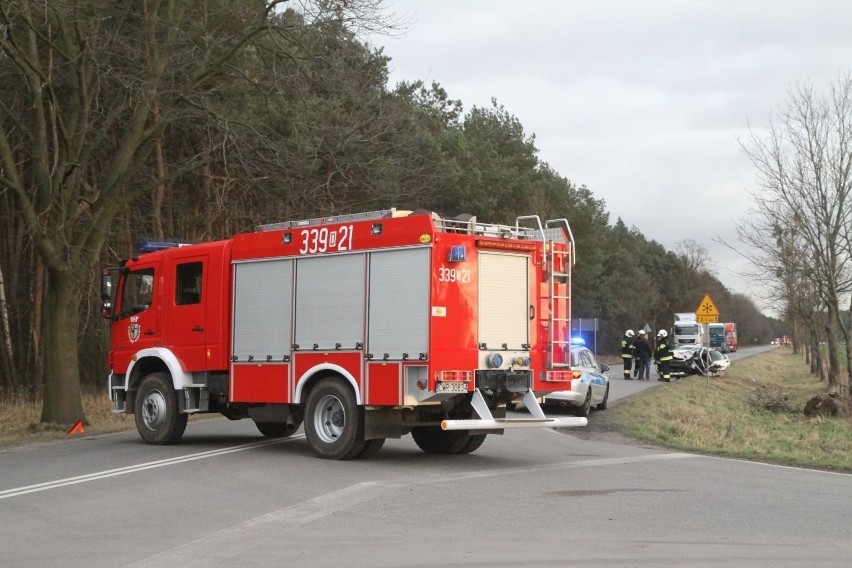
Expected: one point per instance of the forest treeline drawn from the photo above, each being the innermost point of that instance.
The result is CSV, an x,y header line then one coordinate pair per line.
x,y
199,120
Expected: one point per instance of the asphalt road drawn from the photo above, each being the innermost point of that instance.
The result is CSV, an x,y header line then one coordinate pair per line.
x,y
226,497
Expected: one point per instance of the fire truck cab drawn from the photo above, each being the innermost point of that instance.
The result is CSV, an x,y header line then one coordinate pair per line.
x,y
361,327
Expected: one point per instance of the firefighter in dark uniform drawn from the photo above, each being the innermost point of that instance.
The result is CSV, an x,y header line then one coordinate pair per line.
x,y
627,352
663,356
642,360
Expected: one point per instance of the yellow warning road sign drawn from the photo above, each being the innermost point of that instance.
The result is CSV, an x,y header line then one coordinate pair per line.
x,y
706,308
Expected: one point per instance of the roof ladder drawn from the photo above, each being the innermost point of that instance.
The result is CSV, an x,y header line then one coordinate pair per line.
x,y
559,260
559,304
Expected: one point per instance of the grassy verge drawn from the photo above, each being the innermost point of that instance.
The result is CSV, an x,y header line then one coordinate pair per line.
x,y
19,420
730,416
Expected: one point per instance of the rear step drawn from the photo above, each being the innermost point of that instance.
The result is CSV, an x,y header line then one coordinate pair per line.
x,y
487,422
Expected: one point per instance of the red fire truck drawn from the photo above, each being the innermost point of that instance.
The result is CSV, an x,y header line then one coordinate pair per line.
x,y
363,327
731,337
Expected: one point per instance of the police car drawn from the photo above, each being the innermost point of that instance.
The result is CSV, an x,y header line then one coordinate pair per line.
x,y
589,385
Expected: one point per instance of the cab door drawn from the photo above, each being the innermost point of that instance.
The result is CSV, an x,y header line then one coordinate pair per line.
x,y
186,324
137,316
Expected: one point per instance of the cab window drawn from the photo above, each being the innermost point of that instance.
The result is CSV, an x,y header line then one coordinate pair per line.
x,y
137,293
188,284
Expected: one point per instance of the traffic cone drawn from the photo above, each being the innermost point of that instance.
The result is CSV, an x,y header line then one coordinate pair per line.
x,y
77,428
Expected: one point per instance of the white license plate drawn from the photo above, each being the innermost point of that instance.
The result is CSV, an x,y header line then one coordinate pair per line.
x,y
447,386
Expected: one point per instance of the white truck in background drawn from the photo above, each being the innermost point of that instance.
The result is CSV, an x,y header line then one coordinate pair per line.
x,y
687,331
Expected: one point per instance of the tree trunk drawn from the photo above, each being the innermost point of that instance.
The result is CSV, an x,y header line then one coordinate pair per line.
x,y
833,359
817,360
63,402
35,359
810,357
846,327
159,195
796,338
8,356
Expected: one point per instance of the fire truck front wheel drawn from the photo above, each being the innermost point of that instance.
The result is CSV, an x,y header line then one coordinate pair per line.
x,y
158,416
334,424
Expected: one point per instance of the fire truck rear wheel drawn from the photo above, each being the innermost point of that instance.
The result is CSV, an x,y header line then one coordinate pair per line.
x,y
276,429
158,416
334,424
473,444
434,440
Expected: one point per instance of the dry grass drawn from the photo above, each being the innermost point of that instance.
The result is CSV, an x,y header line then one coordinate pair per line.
x,y
753,412
19,419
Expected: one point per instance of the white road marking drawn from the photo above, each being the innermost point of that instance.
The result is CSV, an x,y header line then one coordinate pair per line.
x,y
558,466
5,494
223,547
226,546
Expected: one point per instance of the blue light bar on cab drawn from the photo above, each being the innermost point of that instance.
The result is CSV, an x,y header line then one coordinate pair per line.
x,y
153,245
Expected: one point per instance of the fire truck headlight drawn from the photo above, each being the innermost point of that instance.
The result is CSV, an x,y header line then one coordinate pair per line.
x,y
494,360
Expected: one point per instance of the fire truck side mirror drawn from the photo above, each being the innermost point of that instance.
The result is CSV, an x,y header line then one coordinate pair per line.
x,y
106,294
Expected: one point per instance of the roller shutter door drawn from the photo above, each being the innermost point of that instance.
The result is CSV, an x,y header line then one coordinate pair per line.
x,y
399,303
262,309
330,301
504,300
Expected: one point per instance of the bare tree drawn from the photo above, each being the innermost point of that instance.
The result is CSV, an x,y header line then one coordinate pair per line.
x,y
694,255
804,164
89,88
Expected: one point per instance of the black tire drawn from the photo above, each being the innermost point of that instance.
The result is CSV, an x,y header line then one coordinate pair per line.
x,y
602,404
157,413
586,408
473,444
434,440
277,429
334,423
371,448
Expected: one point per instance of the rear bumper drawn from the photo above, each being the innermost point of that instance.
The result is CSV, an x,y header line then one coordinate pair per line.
x,y
487,422
502,380
573,397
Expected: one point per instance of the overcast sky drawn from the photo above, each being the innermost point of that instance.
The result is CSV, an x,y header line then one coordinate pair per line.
x,y
644,102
